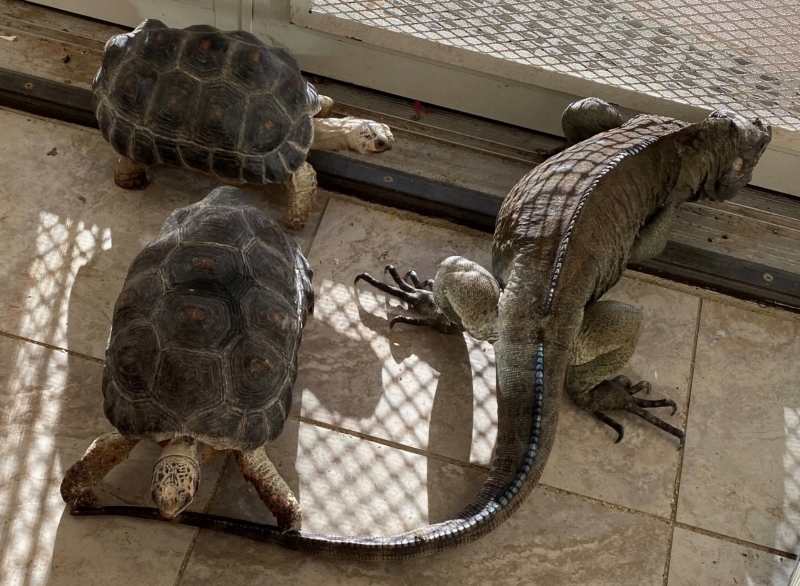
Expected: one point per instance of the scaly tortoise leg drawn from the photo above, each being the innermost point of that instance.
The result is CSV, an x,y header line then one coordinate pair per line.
x,y
326,107
106,452
351,134
272,489
607,340
130,175
302,195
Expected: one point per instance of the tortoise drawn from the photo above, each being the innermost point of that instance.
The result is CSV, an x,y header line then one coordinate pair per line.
x,y
222,103
203,352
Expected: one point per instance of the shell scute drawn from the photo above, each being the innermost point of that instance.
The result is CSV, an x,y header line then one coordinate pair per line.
x,y
265,125
219,119
205,266
174,105
138,297
256,364
195,156
269,267
134,84
132,356
151,256
205,53
161,46
143,147
257,70
188,379
197,321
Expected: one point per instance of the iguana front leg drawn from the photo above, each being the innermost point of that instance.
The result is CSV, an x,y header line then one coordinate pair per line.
x,y
607,340
462,296
653,236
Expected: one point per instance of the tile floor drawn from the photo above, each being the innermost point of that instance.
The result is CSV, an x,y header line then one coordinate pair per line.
x,y
385,433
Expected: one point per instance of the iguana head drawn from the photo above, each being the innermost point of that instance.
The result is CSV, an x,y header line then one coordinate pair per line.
x,y
749,140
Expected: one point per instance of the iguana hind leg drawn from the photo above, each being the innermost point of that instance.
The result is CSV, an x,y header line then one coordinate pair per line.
x,y
607,340
106,452
257,469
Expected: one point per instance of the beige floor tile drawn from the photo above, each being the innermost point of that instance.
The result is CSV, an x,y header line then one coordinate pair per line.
x,y
75,232
351,486
412,385
699,560
51,407
409,385
639,472
741,472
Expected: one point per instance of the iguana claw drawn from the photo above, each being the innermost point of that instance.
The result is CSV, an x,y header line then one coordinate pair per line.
x,y
618,394
420,298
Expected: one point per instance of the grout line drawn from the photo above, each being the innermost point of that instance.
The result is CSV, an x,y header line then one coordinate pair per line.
x,y
605,504
674,514
736,540
51,347
189,550
389,443
477,467
713,296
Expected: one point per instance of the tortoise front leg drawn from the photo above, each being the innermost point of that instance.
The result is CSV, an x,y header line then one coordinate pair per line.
x,y
302,195
106,452
271,488
326,109
130,175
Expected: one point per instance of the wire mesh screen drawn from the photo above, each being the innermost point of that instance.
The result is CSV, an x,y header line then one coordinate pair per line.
x,y
744,54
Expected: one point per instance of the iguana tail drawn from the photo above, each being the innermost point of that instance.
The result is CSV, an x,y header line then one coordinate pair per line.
x,y
529,384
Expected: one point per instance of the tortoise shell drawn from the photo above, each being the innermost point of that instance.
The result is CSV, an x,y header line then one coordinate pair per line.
x,y
206,329
219,102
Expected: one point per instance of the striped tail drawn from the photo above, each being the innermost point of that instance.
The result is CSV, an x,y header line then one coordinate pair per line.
x,y
528,395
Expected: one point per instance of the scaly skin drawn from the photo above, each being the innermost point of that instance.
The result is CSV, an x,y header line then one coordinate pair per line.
x,y
563,237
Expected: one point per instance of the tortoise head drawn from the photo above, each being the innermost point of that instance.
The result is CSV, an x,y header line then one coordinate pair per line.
x,y
749,139
176,477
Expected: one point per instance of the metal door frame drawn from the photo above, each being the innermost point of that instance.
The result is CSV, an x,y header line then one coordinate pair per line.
x,y
472,82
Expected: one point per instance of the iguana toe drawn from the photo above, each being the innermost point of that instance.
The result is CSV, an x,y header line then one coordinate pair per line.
x,y
612,424
420,298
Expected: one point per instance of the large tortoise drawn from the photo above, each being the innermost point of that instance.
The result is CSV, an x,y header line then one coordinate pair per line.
x,y
222,103
203,350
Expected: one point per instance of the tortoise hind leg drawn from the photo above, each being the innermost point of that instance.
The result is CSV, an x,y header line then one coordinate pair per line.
x,y
130,175
272,489
106,452
302,195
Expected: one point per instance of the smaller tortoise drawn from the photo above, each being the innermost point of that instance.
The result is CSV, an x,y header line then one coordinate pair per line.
x,y
203,350
222,103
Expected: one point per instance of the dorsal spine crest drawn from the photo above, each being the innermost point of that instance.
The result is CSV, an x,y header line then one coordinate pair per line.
x,y
562,249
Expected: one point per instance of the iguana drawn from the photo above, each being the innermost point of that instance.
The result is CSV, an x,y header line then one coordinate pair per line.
x,y
563,237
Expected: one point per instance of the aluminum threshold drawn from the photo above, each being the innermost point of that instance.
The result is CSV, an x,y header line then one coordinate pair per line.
x,y
375,183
